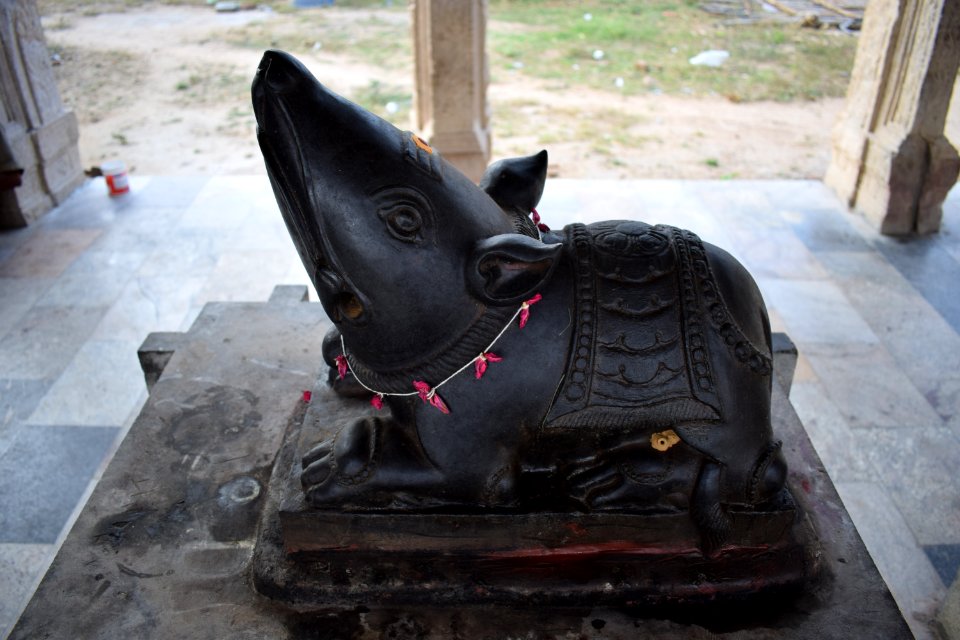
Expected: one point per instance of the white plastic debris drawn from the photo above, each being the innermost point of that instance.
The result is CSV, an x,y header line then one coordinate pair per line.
x,y
598,54
710,58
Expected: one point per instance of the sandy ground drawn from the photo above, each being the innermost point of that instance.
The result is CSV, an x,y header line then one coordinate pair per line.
x,y
162,89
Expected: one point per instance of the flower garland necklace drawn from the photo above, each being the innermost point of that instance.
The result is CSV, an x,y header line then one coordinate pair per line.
x,y
427,393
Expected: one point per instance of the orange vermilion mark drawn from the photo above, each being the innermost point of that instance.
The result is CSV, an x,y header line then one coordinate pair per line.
x,y
420,143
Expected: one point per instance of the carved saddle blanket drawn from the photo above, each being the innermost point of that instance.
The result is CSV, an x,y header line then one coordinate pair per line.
x,y
645,296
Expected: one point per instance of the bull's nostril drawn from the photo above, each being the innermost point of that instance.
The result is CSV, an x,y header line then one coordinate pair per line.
x,y
349,306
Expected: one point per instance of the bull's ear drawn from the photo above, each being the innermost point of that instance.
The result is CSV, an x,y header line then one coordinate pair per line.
x,y
510,268
516,182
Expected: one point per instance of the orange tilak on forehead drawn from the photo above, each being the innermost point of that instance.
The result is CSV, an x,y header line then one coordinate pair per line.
x,y
420,143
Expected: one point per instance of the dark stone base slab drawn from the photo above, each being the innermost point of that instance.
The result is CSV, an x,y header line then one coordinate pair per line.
x,y
310,559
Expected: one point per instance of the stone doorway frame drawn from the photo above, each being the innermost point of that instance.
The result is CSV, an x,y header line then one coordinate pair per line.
x,y
38,135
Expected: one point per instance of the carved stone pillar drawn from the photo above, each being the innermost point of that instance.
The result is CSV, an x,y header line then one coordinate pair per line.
x,y
39,134
890,157
450,63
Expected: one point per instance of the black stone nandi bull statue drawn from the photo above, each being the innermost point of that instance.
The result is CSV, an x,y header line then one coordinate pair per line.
x,y
614,366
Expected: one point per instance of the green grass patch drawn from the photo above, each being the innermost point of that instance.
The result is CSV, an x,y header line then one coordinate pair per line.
x,y
210,84
372,38
633,47
389,102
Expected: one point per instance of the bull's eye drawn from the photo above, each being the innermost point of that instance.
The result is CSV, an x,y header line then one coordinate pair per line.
x,y
403,221
406,213
349,306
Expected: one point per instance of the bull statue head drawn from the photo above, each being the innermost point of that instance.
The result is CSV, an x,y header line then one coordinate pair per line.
x,y
384,225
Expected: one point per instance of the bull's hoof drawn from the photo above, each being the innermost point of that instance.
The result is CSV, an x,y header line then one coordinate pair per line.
x,y
350,459
371,463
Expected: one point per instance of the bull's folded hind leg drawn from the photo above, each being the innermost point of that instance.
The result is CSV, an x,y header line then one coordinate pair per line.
x,y
706,510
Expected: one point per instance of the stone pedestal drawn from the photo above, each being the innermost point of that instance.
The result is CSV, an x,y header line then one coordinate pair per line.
x,y
450,66
890,158
35,127
166,546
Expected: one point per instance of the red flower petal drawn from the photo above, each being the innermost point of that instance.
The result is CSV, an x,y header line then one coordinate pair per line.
x,y
480,366
438,403
341,361
423,389
429,395
525,309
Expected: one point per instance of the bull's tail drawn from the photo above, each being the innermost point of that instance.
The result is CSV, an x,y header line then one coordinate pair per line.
x,y
706,510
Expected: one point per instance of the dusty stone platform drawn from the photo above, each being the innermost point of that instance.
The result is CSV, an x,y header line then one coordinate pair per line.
x,y
165,546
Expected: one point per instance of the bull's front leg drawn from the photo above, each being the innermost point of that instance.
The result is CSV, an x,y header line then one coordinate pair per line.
x,y
371,463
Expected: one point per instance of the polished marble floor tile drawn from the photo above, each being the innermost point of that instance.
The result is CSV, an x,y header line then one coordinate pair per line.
x,y
246,275
945,558
917,467
18,563
835,442
824,230
101,386
816,311
41,344
904,566
224,202
17,296
795,195
776,253
16,238
260,232
176,192
746,207
18,399
868,387
86,210
95,279
148,304
184,253
914,331
136,232
46,471
47,253
932,270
